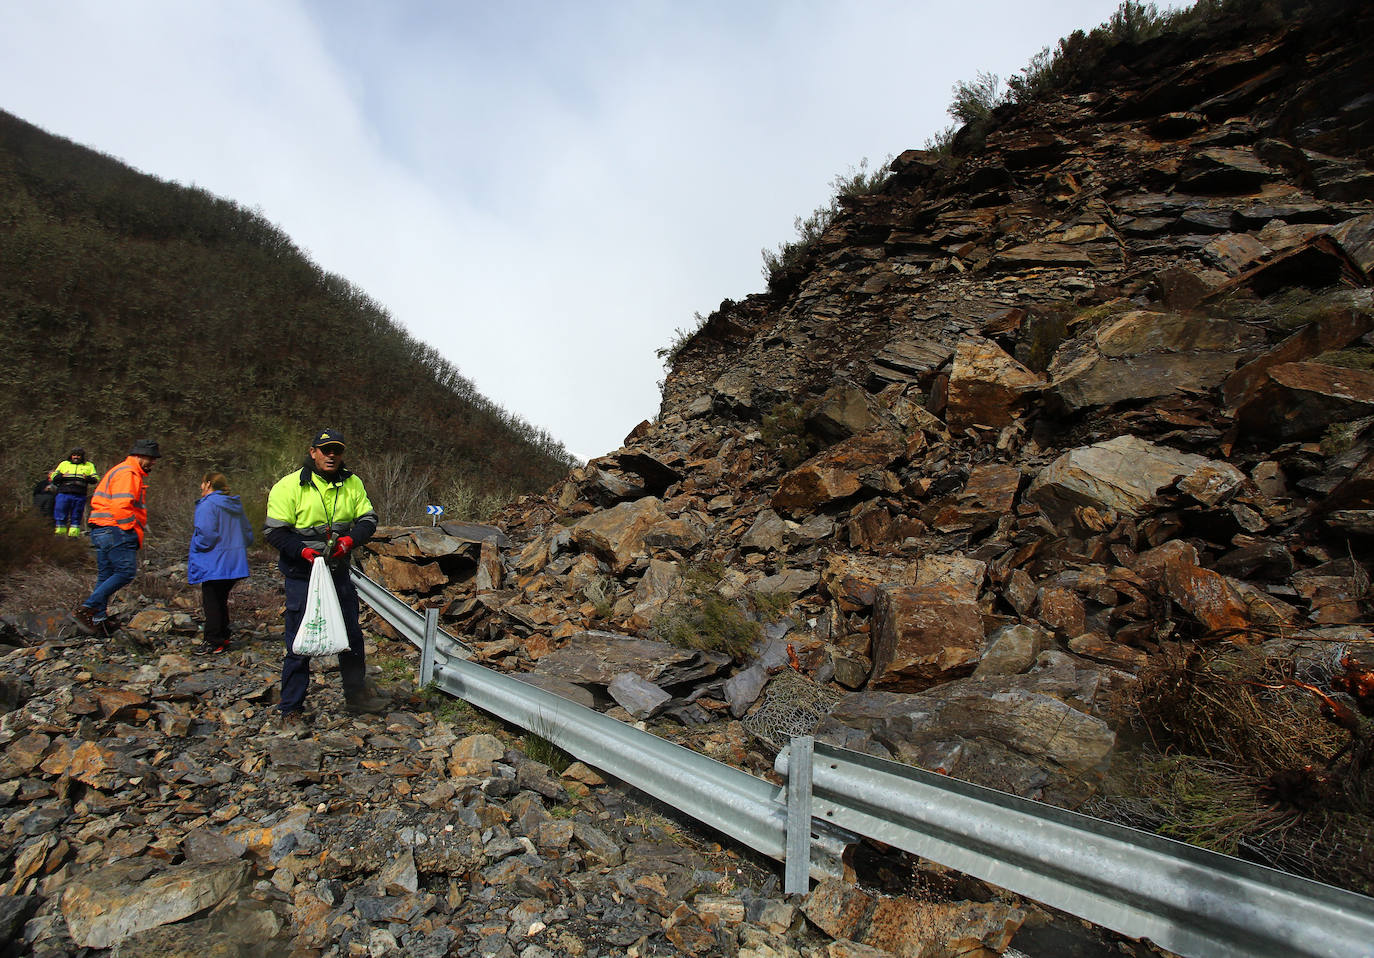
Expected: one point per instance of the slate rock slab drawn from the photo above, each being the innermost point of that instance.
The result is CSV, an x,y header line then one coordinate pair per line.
x,y
105,907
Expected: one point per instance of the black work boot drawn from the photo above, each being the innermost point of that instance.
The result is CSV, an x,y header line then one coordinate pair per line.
x,y
365,701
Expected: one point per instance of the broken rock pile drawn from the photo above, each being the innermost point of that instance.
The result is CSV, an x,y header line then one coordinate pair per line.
x,y
1024,420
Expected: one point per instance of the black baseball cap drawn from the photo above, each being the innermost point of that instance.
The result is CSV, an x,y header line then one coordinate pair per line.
x,y
328,437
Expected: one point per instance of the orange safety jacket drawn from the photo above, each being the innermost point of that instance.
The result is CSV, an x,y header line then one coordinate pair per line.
x,y
118,499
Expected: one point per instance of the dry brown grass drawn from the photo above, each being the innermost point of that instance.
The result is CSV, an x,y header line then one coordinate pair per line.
x,y
40,571
29,538
45,585
1226,703
1235,760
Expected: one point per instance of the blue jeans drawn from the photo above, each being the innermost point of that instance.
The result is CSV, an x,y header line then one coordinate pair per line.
x,y
295,669
116,564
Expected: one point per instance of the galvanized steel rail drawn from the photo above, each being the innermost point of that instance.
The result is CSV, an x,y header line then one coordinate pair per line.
x,y
1183,898
732,801
1187,899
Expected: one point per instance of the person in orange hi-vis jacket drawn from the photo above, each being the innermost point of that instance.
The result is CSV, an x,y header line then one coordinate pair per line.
x,y
119,517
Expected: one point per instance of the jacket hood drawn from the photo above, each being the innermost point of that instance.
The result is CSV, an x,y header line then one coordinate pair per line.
x,y
224,502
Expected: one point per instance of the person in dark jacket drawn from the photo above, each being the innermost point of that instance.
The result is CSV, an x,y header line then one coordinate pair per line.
x,y
218,556
44,499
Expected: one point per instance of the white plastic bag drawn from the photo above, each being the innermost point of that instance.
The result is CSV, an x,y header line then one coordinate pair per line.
x,y
322,630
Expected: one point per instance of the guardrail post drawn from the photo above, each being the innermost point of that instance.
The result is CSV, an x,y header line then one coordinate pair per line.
x,y
797,870
427,649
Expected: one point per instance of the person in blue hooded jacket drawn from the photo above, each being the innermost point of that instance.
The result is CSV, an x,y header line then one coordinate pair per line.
x,y
219,556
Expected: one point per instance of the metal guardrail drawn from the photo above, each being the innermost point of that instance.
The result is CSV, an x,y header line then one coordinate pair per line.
x,y
407,621
731,801
1186,899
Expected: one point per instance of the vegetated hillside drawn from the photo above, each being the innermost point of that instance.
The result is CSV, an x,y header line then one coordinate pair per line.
x,y
131,307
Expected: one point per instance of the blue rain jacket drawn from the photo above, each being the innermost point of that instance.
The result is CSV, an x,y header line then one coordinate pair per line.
x,y
219,544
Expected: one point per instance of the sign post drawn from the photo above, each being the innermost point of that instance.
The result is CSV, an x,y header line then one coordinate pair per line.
x,y
435,512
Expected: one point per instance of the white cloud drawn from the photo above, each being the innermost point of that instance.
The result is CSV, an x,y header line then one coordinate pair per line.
x,y
542,191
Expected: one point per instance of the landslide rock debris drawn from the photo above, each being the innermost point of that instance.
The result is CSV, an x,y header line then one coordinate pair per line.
x,y
1023,431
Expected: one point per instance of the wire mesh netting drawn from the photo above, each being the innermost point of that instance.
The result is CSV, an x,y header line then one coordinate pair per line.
x,y
792,705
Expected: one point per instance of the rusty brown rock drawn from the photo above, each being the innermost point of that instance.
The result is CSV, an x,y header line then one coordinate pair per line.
x,y
1210,599
1100,648
923,635
490,570
120,704
1332,599
991,488
909,928
1020,591
89,762
986,386
1334,329
856,466
402,575
24,754
617,535
1062,611
870,528
691,933
1301,400
1151,563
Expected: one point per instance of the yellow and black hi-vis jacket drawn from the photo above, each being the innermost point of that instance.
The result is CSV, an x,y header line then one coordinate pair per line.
x,y
73,478
306,510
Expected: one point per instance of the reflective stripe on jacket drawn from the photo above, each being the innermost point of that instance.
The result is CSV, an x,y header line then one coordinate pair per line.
x,y
304,508
73,478
118,499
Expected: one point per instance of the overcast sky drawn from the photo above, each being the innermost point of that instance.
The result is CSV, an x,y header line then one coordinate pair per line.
x,y
543,191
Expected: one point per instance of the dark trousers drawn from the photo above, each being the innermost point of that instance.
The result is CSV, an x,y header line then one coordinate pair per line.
x,y
295,669
116,564
214,598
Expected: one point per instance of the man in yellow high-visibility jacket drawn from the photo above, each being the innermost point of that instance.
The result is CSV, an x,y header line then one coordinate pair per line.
x,y
322,510
71,480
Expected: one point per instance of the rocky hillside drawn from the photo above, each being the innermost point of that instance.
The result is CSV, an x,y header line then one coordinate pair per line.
x,y
1048,467
1053,457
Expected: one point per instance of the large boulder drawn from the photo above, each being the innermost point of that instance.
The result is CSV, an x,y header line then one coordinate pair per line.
x,y
986,386
1142,354
617,535
924,634
853,468
1042,735
111,903
1122,475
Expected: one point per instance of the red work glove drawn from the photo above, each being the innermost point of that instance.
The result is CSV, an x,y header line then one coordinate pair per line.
x,y
309,555
342,547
